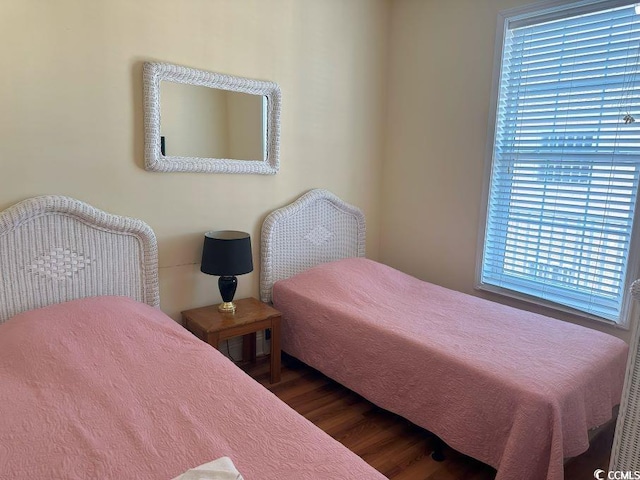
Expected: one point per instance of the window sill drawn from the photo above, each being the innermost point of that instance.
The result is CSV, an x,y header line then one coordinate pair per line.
x,y
578,315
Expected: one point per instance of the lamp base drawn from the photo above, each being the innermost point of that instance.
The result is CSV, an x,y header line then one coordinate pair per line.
x,y
227,307
227,285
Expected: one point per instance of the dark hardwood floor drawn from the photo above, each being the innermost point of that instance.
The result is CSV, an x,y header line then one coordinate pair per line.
x,y
392,445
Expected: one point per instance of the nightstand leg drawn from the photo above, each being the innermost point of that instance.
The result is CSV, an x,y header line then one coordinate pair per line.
x,y
213,339
249,347
275,350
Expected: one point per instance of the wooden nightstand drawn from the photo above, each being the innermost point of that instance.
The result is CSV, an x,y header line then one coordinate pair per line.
x,y
251,316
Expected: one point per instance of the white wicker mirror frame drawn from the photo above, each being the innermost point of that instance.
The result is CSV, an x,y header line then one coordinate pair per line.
x,y
154,73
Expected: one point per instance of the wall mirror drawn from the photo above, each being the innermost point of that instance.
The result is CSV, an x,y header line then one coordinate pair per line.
x,y
199,121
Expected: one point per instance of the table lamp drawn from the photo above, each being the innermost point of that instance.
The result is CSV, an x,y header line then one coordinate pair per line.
x,y
226,253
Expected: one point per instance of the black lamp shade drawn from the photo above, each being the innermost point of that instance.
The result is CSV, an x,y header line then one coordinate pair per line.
x,y
226,253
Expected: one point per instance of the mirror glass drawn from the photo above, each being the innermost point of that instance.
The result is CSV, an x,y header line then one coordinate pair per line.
x,y
197,121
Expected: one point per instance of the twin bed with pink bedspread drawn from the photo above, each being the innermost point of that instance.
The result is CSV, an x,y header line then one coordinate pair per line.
x,y
107,387
96,382
516,390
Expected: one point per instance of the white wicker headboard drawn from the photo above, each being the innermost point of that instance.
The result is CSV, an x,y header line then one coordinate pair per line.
x,y
54,249
317,228
625,454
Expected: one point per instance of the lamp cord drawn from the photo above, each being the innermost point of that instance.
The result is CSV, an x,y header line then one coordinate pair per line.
x,y
229,352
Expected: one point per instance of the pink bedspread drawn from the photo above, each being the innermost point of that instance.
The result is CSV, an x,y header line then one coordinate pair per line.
x,y
113,389
511,388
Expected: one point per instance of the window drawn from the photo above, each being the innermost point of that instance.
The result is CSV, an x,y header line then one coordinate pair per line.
x,y
566,159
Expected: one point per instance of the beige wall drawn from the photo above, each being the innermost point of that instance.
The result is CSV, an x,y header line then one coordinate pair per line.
x,y
407,81
71,113
439,89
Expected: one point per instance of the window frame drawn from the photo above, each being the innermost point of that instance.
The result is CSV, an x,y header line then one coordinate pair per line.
x,y
512,18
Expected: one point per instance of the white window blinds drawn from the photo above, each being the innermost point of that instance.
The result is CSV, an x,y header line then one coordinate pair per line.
x,y
566,159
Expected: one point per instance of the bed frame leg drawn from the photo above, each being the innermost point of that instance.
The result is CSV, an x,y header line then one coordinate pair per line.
x,y
438,450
